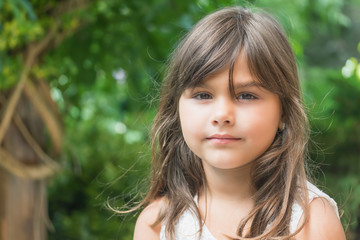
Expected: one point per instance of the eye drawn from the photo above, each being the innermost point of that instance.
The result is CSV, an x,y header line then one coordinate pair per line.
x,y
246,96
202,96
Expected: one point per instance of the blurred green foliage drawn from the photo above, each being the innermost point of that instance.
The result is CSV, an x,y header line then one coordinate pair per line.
x,y
104,70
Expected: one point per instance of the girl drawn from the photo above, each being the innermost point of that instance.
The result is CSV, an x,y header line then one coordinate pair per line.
x,y
229,140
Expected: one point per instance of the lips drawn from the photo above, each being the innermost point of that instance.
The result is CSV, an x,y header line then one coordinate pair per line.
x,y
222,138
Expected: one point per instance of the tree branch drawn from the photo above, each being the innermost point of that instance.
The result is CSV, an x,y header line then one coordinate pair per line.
x,y
32,53
19,169
34,145
46,114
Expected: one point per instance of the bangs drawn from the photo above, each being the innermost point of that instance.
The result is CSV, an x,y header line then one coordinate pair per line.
x,y
217,40
213,44
269,56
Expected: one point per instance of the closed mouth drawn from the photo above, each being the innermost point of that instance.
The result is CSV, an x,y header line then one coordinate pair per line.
x,y
223,138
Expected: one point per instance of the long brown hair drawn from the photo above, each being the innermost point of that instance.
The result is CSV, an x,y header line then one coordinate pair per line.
x,y
277,175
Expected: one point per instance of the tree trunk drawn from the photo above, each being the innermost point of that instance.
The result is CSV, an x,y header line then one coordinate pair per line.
x,y
23,208
25,167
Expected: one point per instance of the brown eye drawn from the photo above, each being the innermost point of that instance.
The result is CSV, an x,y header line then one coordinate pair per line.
x,y
246,96
202,96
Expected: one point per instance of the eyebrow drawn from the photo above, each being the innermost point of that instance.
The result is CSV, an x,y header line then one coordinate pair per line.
x,y
248,84
237,85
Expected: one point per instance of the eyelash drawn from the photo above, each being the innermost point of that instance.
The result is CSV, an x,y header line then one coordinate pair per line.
x,y
202,96
249,96
243,96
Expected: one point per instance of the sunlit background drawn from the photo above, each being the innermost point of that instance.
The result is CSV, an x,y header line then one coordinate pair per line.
x,y
78,92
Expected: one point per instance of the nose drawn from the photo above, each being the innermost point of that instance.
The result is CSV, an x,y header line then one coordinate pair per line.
x,y
223,113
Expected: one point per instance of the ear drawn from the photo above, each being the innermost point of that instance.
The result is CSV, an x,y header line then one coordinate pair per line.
x,y
281,126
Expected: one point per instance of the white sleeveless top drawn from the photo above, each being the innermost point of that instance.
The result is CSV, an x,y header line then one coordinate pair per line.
x,y
187,228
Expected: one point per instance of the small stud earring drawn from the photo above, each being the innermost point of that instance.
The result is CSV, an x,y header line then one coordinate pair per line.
x,y
282,127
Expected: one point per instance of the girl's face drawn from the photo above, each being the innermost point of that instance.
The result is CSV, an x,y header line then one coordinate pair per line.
x,y
227,132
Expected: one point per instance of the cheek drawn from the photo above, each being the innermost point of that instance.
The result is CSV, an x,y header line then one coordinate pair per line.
x,y
263,122
184,113
192,123
190,116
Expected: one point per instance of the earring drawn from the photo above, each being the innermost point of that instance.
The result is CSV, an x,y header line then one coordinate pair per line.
x,y
282,127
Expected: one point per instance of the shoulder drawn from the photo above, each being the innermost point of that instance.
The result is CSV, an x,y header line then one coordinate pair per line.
x,y
145,228
323,222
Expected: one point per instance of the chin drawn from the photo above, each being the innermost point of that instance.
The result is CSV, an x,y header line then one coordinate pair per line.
x,y
228,164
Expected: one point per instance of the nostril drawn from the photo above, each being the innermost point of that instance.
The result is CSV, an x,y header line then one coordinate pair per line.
x,y
221,122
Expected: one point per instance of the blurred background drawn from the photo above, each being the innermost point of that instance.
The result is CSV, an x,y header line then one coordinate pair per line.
x,y
78,92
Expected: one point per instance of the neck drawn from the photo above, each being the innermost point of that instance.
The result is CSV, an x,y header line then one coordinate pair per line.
x,y
228,185
226,198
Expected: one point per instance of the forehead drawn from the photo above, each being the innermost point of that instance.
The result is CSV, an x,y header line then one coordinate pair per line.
x,y
237,73
241,71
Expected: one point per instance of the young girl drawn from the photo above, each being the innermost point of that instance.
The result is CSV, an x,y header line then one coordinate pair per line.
x,y
229,140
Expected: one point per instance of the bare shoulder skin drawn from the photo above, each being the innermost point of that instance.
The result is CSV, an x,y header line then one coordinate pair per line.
x,y
143,228
323,223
